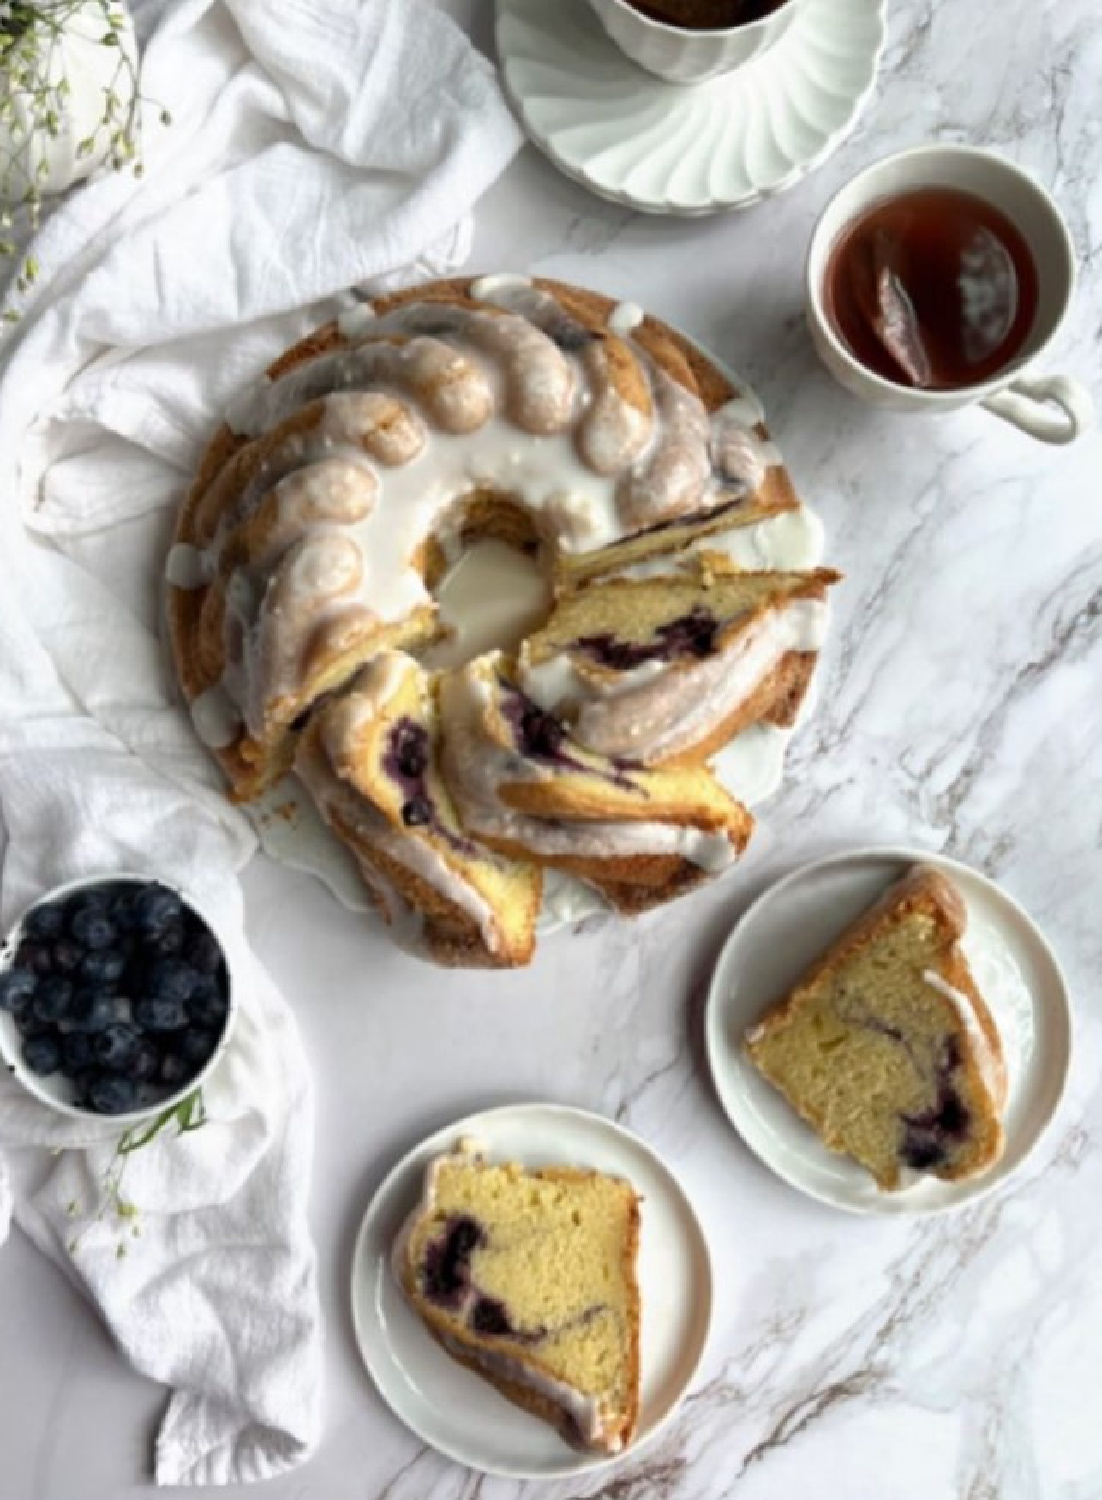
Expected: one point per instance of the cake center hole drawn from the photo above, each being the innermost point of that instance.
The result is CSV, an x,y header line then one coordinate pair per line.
x,y
492,598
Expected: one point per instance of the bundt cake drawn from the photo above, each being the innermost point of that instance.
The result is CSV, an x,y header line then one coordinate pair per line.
x,y
529,1279
344,485
886,1046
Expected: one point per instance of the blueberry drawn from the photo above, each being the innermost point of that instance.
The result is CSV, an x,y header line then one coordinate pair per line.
x,y
52,998
76,1051
102,966
91,1009
152,1013
197,1045
208,1006
172,979
42,1053
174,1070
490,1316
111,1094
66,956
166,944
147,1061
92,928
45,922
115,1046
155,908
416,812
123,912
203,952
17,988
34,956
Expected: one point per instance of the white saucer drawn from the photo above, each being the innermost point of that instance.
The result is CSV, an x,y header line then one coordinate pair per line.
x,y
790,925
454,1411
672,148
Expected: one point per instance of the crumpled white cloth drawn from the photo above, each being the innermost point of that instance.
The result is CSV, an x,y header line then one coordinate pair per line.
x,y
313,147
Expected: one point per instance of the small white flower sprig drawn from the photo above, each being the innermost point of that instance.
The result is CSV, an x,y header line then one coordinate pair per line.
x,y
34,94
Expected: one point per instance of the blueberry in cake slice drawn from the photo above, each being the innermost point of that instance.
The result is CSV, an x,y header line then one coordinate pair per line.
x,y
370,761
528,1278
524,785
886,1046
667,670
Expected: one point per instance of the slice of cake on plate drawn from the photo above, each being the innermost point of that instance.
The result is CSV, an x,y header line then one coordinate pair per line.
x,y
886,1046
528,1278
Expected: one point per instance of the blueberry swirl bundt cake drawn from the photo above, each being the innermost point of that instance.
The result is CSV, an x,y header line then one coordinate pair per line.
x,y
529,1279
326,512
886,1046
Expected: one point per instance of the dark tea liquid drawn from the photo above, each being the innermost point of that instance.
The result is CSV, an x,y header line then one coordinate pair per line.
x,y
935,289
706,15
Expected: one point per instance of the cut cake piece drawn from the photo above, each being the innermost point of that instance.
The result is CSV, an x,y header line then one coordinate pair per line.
x,y
369,760
523,785
886,1046
668,670
529,1279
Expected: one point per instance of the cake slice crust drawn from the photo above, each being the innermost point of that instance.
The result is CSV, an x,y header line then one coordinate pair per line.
x,y
886,1046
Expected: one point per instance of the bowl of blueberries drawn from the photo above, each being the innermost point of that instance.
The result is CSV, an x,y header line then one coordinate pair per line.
x,y
115,998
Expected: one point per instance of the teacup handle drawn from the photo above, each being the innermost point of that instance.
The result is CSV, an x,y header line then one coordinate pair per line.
x,y
1053,408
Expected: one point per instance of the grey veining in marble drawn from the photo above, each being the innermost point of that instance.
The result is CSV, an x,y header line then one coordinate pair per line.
x,y
959,709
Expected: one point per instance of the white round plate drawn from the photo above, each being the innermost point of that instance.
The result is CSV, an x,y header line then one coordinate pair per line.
x,y
790,926
453,1410
669,148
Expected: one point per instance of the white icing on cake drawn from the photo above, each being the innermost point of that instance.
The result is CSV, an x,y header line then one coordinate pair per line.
x,y
988,1064
187,567
216,717
355,320
625,317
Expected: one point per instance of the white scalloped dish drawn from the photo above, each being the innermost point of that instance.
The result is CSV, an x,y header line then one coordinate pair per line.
x,y
688,149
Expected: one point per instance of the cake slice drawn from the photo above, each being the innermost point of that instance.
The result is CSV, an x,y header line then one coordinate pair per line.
x,y
667,670
370,761
523,785
529,1279
886,1046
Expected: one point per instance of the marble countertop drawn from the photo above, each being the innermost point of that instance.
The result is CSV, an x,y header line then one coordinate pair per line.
x,y
959,710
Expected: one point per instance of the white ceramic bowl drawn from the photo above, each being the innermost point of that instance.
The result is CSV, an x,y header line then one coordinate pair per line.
x,y
684,55
55,1090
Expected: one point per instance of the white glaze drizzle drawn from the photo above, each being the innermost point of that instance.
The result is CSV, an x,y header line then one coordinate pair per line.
x,y
625,317
187,567
485,288
356,319
790,542
216,717
988,1063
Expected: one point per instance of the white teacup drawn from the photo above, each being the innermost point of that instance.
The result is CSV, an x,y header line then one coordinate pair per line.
x,y
684,54
1054,408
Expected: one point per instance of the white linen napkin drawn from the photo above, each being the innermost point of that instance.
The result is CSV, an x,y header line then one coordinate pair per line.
x,y
313,148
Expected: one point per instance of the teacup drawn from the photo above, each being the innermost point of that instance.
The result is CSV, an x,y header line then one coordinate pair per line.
x,y
687,55
1053,408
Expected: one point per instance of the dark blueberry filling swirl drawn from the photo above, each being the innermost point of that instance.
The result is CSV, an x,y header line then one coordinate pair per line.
x,y
406,761
446,1273
540,736
691,636
929,1137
